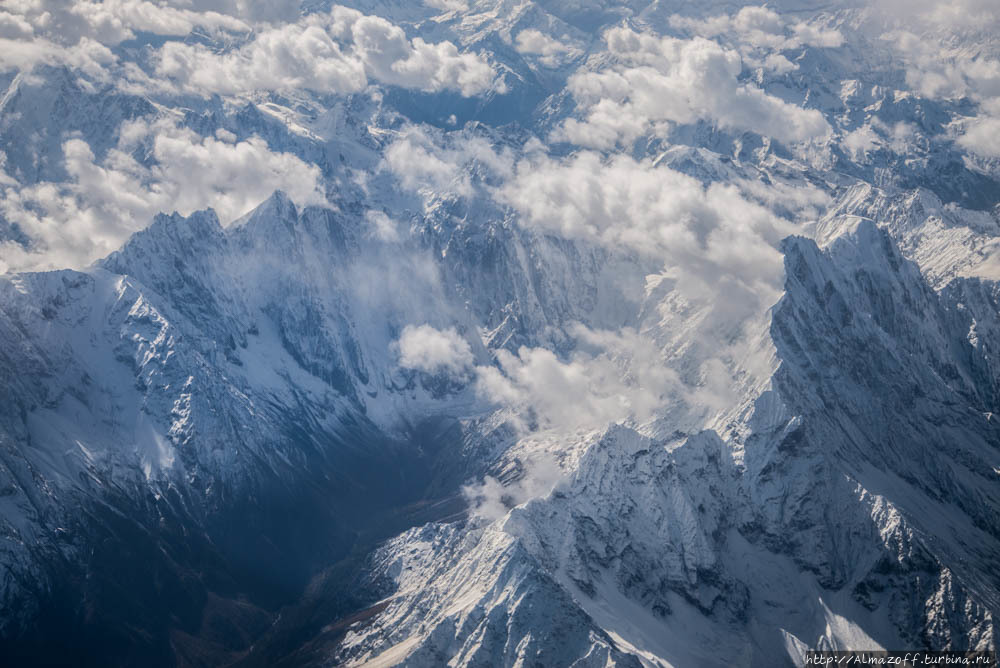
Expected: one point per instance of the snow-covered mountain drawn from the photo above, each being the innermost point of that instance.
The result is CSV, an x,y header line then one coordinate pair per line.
x,y
481,333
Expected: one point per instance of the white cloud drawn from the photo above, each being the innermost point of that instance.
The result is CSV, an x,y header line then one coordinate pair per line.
x,y
78,34
803,201
426,161
813,35
940,66
936,70
945,55
954,15
74,223
87,56
335,52
982,136
670,80
717,245
419,163
287,57
550,51
431,350
14,26
614,376
254,11
383,227
899,137
860,141
779,64
225,135
447,5
491,500
114,21
705,234
722,269
760,27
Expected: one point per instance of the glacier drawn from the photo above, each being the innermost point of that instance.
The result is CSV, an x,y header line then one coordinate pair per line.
x,y
500,333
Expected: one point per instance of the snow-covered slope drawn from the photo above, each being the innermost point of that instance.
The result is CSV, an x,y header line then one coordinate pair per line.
x,y
851,506
212,372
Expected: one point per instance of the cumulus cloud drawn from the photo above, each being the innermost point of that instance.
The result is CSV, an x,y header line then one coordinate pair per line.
x,y
761,35
779,64
255,11
417,160
936,70
706,234
761,27
114,21
73,223
338,51
721,270
424,348
87,56
717,245
78,34
550,51
797,200
662,80
14,26
335,52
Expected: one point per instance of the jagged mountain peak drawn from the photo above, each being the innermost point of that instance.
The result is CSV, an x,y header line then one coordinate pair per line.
x,y
654,539
278,206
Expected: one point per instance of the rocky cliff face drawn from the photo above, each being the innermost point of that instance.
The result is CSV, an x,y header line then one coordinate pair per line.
x,y
801,525
212,381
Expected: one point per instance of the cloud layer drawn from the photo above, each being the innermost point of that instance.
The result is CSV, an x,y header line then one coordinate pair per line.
x,y
662,80
76,222
79,34
705,235
335,52
761,27
339,51
950,51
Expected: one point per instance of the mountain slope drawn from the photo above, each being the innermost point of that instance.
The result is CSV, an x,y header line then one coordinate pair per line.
x,y
805,528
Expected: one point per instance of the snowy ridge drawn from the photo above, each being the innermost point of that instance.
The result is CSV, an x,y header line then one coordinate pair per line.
x,y
663,542
198,343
